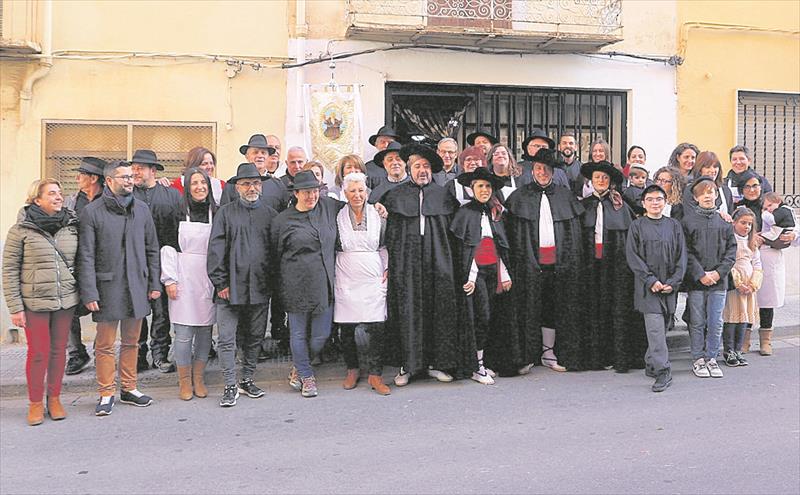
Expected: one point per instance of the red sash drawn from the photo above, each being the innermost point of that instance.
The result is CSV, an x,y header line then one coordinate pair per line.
x,y
485,252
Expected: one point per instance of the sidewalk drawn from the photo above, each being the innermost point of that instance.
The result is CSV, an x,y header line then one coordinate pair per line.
x,y
12,360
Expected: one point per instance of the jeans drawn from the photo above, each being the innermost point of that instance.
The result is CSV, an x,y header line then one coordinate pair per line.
x,y
298,330
185,336
46,332
159,333
104,355
733,336
705,310
657,356
252,318
374,353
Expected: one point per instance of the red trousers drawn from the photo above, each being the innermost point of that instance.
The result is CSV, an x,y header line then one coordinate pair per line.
x,y
47,334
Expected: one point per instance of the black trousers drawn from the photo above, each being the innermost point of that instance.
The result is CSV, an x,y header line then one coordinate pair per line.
x,y
75,347
765,316
277,320
159,329
481,301
374,352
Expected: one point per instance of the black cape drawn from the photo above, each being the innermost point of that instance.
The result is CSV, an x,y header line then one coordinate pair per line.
x,y
273,193
382,188
375,174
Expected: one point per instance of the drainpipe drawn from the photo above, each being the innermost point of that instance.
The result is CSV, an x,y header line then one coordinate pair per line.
x,y
45,63
301,31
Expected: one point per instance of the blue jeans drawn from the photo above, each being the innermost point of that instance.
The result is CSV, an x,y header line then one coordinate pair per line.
x,y
705,313
300,342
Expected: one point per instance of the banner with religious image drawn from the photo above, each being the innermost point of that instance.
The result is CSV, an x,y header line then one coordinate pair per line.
x,y
333,122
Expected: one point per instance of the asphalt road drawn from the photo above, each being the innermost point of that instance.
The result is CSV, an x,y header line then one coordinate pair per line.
x,y
595,432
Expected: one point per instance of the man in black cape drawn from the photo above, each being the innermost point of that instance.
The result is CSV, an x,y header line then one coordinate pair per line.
x,y
421,330
380,140
544,232
395,169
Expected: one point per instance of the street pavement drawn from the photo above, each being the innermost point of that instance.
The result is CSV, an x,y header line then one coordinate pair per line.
x,y
590,432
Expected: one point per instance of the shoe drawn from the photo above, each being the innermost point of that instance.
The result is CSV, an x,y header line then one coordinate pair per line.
x,y
663,381
163,365
351,380
135,398
77,364
731,359
482,376
742,360
552,364
713,368
699,369
250,389
198,379
294,380
309,387
35,413
525,369
229,396
439,375
55,409
402,378
765,341
490,372
376,382
104,406
185,382
142,364
650,372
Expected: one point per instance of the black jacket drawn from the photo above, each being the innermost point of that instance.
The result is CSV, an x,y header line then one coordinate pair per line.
x,y
710,246
166,207
273,193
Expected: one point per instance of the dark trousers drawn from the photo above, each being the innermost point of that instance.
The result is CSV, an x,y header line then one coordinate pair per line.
x,y
246,322
159,329
481,302
765,316
374,351
277,320
733,336
75,347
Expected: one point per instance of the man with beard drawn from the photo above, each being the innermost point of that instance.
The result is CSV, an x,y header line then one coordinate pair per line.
x,y
259,152
421,330
448,150
395,169
380,140
568,147
536,141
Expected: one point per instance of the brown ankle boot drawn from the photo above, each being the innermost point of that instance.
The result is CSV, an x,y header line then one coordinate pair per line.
x,y
198,368
55,409
35,413
185,381
746,342
376,382
351,380
765,341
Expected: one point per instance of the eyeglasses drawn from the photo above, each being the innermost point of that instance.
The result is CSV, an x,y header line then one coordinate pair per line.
x,y
446,152
664,181
248,185
123,178
752,187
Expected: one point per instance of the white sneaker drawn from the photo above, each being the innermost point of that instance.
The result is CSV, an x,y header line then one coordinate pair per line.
x,y
482,376
700,370
439,375
401,380
713,368
490,372
525,369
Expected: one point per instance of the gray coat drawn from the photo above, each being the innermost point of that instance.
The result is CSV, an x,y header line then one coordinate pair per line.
x,y
118,258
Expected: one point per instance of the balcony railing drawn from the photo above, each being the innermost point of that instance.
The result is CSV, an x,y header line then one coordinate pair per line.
x,y
517,25
19,26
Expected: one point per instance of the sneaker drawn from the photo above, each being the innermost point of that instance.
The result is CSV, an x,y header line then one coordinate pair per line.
x,y
713,368
142,364
294,380
77,364
742,360
135,398
482,376
402,378
250,389
229,396
439,375
163,365
663,381
699,369
104,406
309,387
731,359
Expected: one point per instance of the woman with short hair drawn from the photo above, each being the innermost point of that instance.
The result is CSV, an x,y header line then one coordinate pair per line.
x,y
41,291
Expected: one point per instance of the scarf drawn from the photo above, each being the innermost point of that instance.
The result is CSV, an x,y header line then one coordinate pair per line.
x,y
198,211
49,223
122,201
705,212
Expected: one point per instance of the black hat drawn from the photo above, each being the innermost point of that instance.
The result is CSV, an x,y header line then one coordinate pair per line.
x,y
471,138
379,156
247,171
480,173
304,179
147,157
383,131
417,149
92,165
602,166
548,157
653,187
700,179
536,134
257,141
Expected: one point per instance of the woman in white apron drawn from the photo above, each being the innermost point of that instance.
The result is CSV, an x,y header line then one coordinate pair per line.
x,y
190,292
360,281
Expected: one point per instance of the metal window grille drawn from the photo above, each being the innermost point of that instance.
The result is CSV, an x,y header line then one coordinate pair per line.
x,y
66,142
510,113
769,125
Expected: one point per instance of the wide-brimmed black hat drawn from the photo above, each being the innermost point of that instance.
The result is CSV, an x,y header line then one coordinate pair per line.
x,y
480,173
147,157
471,138
304,180
383,131
257,141
536,134
548,157
91,165
427,153
247,171
394,146
602,166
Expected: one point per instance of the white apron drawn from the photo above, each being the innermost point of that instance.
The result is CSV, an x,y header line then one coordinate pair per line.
x,y
194,305
359,290
773,288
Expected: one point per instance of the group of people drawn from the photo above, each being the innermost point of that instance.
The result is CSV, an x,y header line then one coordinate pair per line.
x,y
443,263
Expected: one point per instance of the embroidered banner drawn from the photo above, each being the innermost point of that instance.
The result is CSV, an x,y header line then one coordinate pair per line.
x,y
333,120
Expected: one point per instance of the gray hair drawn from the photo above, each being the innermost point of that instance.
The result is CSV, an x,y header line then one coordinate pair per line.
x,y
447,140
352,178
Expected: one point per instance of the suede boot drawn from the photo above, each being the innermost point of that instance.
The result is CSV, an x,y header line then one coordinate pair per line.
x,y
35,413
765,341
746,343
198,370
185,382
351,380
376,382
55,409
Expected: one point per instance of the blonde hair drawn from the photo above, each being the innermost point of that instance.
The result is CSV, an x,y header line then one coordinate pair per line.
x,y
351,159
36,187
